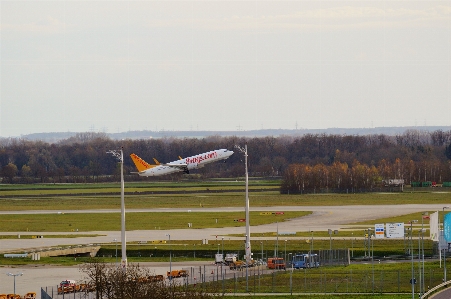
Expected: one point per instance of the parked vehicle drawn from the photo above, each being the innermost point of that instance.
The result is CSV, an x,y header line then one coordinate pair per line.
x,y
177,273
237,265
219,258
393,182
305,261
276,263
230,258
30,295
68,286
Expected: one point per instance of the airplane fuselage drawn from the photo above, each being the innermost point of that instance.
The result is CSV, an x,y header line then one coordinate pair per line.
x,y
186,164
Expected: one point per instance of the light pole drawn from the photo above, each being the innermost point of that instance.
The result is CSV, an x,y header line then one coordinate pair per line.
x,y
291,276
424,215
364,242
412,281
170,257
312,241
248,230
276,246
222,247
261,244
372,255
14,275
285,255
420,232
352,244
246,209
290,258
310,256
119,155
330,246
115,241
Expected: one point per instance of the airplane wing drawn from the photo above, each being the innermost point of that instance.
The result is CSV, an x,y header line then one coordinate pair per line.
x,y
180,166
138,172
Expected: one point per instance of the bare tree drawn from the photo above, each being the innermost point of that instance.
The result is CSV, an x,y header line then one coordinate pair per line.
x,y
134,282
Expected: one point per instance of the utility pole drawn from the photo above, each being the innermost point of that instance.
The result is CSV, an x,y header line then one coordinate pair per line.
x,y
412,280
14,275
170,257
119,155
247,245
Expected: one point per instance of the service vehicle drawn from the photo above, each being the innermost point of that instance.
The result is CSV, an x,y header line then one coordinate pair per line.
x,y
276,263
305,260
237,265
230,258
177,273
219,258
30,295
68,286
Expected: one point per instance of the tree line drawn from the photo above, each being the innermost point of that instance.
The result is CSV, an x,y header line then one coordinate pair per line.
x,y
358,177
328,160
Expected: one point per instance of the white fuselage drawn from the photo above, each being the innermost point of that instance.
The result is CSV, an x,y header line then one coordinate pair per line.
x,y
194,162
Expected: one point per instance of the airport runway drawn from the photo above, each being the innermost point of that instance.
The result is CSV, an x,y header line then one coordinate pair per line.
x,y
322,219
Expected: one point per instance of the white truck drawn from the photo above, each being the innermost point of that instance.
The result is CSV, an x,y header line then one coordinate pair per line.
x,y
229,258
219,258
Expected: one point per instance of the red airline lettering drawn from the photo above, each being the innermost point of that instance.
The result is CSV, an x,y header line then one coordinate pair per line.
x,y
199,159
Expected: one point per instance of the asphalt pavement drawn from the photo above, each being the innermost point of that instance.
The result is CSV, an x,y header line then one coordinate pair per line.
x,y
322,219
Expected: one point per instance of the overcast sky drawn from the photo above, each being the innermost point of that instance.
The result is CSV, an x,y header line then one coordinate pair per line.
x,y
113,66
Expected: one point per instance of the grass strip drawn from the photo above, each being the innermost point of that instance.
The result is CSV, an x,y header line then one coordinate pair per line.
x,y
85,222
212,200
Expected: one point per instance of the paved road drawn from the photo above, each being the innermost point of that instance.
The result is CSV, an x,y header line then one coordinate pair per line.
x,y
322,219
49,276
445,294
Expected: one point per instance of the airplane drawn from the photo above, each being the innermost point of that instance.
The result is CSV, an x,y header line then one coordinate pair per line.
x,y
185,165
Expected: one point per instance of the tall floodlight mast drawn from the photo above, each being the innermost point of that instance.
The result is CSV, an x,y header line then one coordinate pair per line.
x,y
248,232
119,155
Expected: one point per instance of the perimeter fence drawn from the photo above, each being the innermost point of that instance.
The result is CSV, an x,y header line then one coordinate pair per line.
x,y
315,280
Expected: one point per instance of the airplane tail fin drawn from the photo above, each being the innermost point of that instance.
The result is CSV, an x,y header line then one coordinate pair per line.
x,y
140,164
156,161
180,158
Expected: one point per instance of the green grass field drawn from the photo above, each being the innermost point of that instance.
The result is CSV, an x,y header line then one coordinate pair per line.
x,y
65,221
64,198
85,222
139,195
